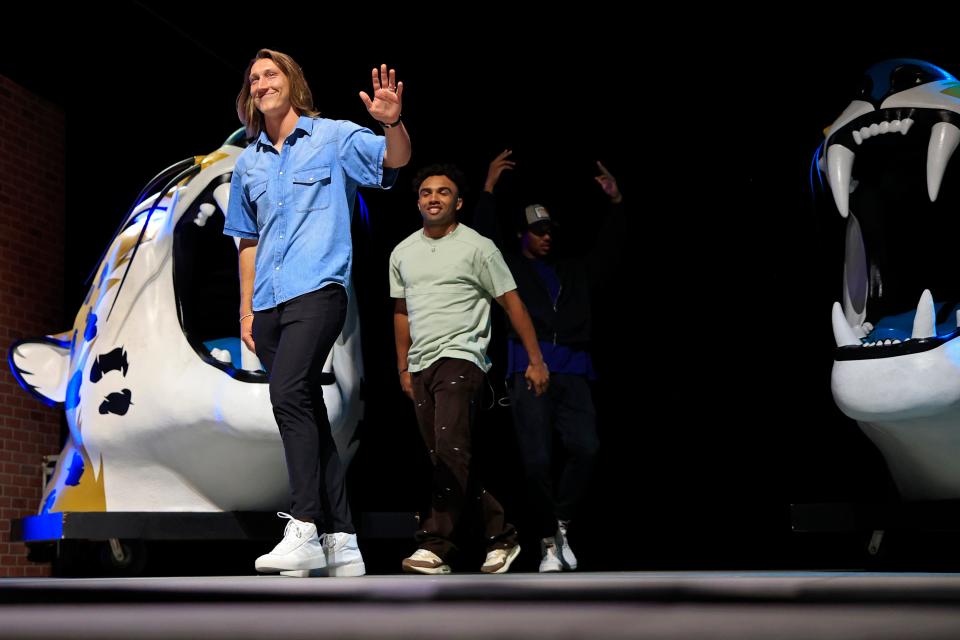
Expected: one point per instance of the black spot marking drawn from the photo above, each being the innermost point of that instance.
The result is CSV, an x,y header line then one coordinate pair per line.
x,y
116,360
116,403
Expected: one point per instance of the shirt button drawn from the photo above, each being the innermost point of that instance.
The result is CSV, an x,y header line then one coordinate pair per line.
x,y
281,204
276,268
281,173
281,237
434,250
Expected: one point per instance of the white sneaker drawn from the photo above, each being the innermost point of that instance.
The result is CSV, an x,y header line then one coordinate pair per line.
x,y
550,556
299,550
566,553
425,561
343,555
499,560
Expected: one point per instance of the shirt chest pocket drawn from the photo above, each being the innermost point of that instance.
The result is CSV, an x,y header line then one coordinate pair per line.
x,y
311,188
256,194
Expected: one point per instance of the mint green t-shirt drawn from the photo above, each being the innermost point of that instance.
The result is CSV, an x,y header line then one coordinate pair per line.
x,y
447,284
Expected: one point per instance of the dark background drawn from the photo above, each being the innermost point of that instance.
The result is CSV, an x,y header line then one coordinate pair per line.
x,y
713,343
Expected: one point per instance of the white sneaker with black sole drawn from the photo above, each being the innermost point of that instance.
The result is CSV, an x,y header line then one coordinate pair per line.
x,y
300,549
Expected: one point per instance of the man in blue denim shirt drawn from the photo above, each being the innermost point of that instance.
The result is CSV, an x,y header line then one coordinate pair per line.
x,y
291,200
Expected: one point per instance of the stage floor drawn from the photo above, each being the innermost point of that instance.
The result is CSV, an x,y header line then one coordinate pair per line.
x,y
750,604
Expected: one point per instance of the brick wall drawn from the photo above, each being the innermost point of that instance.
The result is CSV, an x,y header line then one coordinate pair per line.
x,y
31,297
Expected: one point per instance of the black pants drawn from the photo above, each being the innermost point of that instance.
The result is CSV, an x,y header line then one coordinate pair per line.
x,y
445,395
293,340
567,409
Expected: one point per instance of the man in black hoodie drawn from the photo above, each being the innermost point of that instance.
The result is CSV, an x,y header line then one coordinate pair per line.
x,y
557,295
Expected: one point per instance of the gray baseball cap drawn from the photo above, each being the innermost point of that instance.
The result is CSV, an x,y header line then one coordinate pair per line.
x,y
537,213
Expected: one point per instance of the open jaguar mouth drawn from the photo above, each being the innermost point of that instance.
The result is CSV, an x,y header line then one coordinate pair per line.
x,y
206,285
887,162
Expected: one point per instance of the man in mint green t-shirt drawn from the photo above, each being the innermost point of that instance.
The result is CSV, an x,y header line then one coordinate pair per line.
x,y
443,277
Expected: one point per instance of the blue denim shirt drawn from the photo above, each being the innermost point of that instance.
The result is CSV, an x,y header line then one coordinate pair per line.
x,y
298,204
